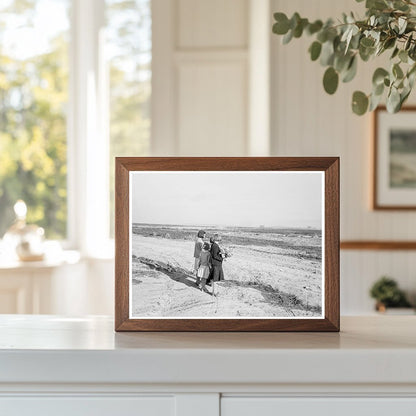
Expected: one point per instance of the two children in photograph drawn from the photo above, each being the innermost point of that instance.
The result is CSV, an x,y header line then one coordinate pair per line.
x,y
208,259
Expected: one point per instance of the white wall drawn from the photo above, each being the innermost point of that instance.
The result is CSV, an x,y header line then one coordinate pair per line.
x,y
202,81
308,122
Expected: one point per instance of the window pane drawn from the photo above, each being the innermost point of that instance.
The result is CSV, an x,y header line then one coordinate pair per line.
x,y
129,46
33,100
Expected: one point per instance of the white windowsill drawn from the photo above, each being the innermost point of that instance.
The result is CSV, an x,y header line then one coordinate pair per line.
x,y
56,256
65,257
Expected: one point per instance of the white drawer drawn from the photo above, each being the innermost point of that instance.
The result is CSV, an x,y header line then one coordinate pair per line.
x,y
87,406
274,406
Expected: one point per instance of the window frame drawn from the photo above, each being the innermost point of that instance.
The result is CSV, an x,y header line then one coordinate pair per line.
x,y
87,133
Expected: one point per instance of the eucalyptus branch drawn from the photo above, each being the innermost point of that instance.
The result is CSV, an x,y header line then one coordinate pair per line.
x,y
388,25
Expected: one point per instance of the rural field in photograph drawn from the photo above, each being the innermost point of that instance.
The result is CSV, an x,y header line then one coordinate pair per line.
x,y
272,272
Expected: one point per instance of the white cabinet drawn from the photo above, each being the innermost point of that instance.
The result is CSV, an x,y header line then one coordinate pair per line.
x,y
88,406
202,405
80,366
270,406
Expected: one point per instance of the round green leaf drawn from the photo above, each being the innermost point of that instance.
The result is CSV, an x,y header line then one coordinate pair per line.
x,y
389,43
374,102
351,71
294,20
366,53
327,54
403,55
298,30
397,71
288,37
315,50
393,101
330,80
359,103
395,52
281,27
322,36
367,42
376,4
378,89
341,61
379,75
314,27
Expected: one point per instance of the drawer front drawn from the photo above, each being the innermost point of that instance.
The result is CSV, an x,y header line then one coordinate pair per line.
x,y
88,406
273,406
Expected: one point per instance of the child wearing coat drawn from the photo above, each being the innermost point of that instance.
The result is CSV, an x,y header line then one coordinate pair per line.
x,y
199,242
204,267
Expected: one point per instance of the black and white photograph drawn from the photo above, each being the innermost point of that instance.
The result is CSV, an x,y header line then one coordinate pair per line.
x,y
394,159
222,244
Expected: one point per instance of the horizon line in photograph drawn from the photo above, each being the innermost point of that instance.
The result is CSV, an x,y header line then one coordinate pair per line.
x,y
251,199
277,227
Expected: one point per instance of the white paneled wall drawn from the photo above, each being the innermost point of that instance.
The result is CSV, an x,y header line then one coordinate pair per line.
x,y
212,24
308,122
204,73
212,103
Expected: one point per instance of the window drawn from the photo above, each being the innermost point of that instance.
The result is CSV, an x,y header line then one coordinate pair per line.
x,y
33,102
129,43
75,88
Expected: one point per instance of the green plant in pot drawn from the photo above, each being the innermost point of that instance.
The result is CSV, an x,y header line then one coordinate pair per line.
x,y
387,294
389,27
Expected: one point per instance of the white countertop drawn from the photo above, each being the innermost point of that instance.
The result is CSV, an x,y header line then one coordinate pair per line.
x,y
50,349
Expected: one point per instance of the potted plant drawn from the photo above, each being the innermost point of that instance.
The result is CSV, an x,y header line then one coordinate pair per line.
x,y
387,294
389,27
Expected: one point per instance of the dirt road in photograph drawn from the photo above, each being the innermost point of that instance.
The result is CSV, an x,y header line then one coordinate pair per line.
x,y
261,280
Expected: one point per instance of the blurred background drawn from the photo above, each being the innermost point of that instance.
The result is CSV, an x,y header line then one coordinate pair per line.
x,y
83,81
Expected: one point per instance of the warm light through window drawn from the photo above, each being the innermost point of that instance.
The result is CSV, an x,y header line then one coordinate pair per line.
x,y
129,55
33,103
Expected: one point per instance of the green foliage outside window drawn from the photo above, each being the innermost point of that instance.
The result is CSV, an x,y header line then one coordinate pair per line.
x,y
34,103
33,99
129,40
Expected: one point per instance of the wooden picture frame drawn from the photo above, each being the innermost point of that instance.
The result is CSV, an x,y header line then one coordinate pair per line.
x,y
132,167
390,191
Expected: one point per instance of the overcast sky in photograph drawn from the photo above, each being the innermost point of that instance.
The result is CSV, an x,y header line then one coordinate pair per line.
x,y
247,199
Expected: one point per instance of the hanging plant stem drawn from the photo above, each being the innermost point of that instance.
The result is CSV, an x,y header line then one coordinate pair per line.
x,y
389,26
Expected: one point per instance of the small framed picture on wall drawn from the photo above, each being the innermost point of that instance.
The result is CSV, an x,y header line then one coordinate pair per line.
x,y
227,244
394,159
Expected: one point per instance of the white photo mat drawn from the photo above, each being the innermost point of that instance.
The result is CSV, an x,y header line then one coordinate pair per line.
x,y
139,178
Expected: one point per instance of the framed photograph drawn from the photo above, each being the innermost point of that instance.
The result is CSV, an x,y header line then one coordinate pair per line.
x,y
394,183
227,244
